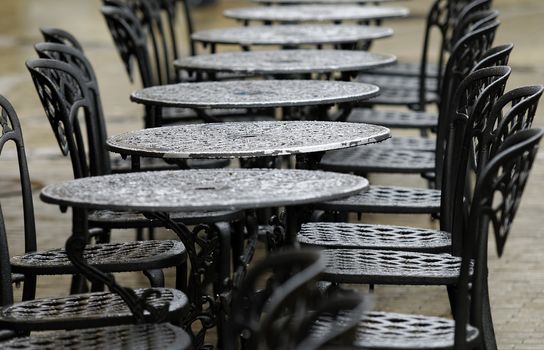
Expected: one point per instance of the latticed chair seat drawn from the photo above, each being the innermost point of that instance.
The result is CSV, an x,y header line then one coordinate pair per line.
x,y
401,97
372,266
141,337
394,119
388,330
124,219
86,310
369,159
109,257
408,143
388,199
387,82
171,115
364,236
405,69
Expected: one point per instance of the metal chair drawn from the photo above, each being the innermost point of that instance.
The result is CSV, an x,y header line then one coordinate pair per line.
x,y
363,160
82,310
479,90
496,199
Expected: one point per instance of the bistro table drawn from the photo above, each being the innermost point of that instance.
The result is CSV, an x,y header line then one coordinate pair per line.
x,y
315,13
284,62
291,35
252,94
158,193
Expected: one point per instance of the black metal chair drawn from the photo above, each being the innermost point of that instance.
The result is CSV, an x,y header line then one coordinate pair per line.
x,y
363,160
289,304
82,310
145,337
131,40
476,93
497,197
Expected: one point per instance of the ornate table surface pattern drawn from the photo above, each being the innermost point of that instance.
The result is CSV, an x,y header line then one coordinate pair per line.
x,y
286,61
254,93
311,34
306,13
245,139
207,189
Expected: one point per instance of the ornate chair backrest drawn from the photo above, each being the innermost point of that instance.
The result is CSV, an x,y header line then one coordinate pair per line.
x,y
63,94
472,101
289,279
465,55
497,197
78,60
59,36
130,39
11,132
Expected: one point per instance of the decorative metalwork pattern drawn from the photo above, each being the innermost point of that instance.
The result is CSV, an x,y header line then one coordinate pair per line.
x,y
254,93
392,330
387,82
144,336
390,267
346,235
286,61
394,119
203,189
410,96
407,69
245,139
303,13
385,199
292,35
409,143
110,257
83,308
370,159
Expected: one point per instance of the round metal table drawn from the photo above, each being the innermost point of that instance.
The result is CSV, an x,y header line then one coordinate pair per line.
x,y
254,94
291,35
280,62
245,139
316,13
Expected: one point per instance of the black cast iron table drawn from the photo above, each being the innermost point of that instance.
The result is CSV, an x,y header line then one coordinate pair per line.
x,y
291,35
253,94
316,13
157,194
284,62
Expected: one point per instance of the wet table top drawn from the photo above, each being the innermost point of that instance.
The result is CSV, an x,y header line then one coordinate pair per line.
x,y
206,189
292,35
254,94
286,61
317,13
245,139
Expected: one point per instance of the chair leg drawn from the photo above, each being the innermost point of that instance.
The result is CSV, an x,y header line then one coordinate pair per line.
x,y
224,231
488,332
451,297
29,288
155,277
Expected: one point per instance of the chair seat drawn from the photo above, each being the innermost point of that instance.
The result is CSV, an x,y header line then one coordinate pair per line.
x,y
387,82
369,159
120,165
388,330
408,96
388,199
405,69
372,266
142,337
86,310
172,115
408,143
109,257
394,119
364,236
124,219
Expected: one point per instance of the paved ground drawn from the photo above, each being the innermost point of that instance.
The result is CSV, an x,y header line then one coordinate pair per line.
x,y
517,280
